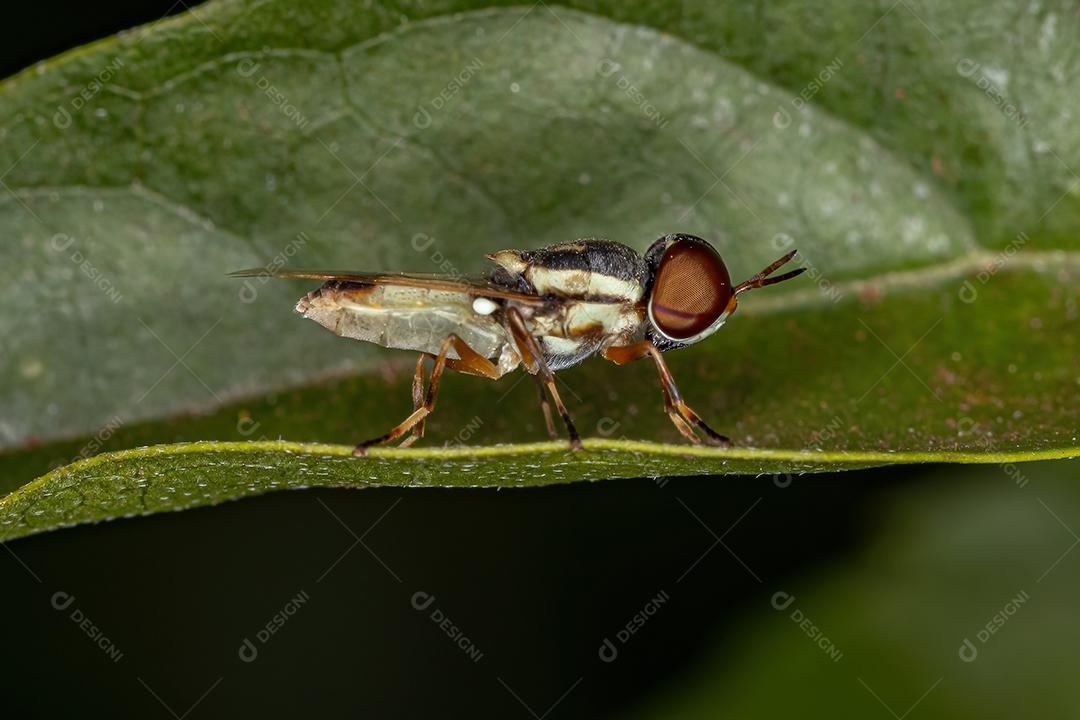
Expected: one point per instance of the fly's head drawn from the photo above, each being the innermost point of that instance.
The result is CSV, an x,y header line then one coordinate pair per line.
x,y
690,294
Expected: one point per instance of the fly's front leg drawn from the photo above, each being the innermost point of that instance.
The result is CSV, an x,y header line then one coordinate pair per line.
x,y
677,420
672,400
623,354
534,360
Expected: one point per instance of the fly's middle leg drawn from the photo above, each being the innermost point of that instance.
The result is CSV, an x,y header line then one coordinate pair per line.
x,y
534,360
545,407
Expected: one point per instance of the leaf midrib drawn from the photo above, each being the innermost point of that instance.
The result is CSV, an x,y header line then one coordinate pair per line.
x,y
634,447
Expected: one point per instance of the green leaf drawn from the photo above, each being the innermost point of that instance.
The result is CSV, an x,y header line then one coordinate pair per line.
x,y
420,136
177,477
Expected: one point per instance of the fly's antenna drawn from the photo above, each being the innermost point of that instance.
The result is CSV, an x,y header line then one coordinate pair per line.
x,y
762,278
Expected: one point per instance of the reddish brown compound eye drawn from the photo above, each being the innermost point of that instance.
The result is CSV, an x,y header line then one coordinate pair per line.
x,y
691,289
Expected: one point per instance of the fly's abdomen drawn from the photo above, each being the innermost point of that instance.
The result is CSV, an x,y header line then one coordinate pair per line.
x,y
404,318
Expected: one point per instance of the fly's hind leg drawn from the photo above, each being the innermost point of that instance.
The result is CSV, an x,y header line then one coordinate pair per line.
x,y
417,400
418,414
534,360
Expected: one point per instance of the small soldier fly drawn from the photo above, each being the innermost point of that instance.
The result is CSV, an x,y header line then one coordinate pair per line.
x,y
546,309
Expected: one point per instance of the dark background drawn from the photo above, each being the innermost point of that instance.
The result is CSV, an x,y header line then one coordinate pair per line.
x,y
536,579
35,31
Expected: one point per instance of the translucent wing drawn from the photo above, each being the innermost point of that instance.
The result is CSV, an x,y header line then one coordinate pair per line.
x,y
450,283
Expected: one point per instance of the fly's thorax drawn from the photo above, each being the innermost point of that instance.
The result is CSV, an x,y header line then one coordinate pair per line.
x,y
571,330
575,319
609,319
587,269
